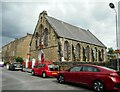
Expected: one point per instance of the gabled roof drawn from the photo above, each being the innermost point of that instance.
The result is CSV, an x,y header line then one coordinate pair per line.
x,y
72,32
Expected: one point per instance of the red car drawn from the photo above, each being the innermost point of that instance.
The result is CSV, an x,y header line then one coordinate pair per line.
x,y
46,70
97,77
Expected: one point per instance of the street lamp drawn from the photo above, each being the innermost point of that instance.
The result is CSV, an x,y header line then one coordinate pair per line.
x,y
113,7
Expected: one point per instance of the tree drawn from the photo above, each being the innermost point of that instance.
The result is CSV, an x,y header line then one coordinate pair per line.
x,y
111,54
19,59
110,50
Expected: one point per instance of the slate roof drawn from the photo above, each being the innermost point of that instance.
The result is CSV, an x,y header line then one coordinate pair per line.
x,y
72,32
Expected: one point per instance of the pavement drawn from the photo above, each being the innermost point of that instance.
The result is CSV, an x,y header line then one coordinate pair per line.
x,y
27,70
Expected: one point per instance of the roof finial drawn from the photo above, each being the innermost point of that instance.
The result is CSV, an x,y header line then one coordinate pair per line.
x,y
44,12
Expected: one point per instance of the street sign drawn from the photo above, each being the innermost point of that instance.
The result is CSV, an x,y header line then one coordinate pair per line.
x,y
117,51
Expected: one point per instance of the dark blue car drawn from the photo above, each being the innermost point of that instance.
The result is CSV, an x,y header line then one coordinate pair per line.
x,y
16,66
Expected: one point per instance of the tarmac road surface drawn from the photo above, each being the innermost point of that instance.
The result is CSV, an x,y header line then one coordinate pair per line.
x,y
18,80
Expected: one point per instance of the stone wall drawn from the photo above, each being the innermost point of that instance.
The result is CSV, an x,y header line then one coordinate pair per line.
x,y
83,45
16,48
51,51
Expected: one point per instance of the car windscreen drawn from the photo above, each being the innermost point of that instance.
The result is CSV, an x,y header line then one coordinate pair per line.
x,y
53,67
17,64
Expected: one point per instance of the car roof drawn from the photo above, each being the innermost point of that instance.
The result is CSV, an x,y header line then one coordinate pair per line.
x,y
46,63
14,62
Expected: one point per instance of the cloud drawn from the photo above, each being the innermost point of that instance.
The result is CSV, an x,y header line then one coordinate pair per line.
x,y
19,18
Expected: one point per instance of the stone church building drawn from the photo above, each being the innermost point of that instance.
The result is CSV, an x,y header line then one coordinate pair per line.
x,y
56,40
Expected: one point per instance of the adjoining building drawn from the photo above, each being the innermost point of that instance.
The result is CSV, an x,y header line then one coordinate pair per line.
x,y
56,40
17,48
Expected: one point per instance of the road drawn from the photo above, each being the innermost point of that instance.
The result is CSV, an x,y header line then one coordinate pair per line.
x,y
17,80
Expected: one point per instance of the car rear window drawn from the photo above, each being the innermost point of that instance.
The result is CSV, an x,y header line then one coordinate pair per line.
x,y
53,67
108,68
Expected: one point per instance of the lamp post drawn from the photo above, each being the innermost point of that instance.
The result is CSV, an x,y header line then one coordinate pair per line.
x,y
113,7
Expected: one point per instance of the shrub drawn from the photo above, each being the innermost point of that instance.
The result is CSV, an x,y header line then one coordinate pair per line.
x,y
19,59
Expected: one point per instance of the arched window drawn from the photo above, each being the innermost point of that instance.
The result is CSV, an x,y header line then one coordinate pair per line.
x,y
87,53
95,54
36,44
78,52
37,41
46,37
92,55
102,55
73,53
99,55
84,57
41,35
66,51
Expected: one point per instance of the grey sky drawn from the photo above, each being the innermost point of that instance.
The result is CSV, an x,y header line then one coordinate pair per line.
x,y
19,18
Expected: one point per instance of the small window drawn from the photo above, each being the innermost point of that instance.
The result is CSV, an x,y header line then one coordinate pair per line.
x,y
43,65
76,69
40,65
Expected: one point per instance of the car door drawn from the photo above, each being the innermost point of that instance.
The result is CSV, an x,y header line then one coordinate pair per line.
x,y
87,74
40,69
72,74
37,69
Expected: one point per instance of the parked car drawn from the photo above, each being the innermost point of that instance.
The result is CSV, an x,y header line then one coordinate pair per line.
x,y
46,70
1,64
16,66
97,77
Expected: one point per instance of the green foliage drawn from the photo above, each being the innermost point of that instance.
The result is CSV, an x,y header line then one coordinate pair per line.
x,y
110,50
19,59
6,62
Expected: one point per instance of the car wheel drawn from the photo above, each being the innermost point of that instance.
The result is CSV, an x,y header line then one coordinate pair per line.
x,y
98,86
33,73
12,69
61,79
44,75
22,70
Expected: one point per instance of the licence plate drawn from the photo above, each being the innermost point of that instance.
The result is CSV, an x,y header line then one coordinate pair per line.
x,y
18,68
54,73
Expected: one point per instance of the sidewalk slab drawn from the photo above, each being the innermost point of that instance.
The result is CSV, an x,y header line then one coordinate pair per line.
x,y
27,70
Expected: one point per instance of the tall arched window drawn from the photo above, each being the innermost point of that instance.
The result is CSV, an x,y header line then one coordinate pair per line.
x,y
99,55
78,52
46,37
73,53
102,55
36,40
92,55
87,53
41,35
84,57
66,51
95,54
